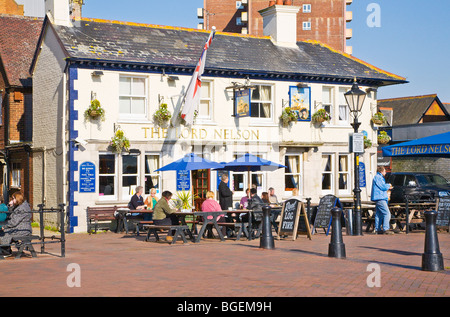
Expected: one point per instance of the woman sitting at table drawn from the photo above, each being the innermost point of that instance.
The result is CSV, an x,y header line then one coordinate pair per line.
x,y
163,215
265,197
211,205
150,202
19,223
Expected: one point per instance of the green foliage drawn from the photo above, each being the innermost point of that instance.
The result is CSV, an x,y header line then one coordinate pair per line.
x,y
320,116
162,115
95,111
287,116
119,142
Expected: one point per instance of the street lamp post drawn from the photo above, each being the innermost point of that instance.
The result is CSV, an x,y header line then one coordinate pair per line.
x,y
355,99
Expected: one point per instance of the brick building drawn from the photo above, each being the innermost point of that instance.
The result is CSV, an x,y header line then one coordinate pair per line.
x,y
18,41
319,20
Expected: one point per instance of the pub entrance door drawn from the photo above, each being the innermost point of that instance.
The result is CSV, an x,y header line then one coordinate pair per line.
x,y
200,181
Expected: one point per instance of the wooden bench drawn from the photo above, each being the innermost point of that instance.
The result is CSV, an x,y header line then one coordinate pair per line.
x,y
179,231
142,223
22,243
96,214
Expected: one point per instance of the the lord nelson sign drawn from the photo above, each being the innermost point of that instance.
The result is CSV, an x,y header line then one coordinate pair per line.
x,y
417,150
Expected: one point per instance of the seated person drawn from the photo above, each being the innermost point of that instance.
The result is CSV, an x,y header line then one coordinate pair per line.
x,y
272,197
211,205
3,211
255,203
150,202
163,215
244,200
265,197
18,224
137,200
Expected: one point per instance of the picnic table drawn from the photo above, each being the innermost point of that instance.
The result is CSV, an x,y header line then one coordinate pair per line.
x,y
409,210
205,214
125,213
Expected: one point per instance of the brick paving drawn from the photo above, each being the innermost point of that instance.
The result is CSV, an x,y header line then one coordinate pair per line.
x,y
125,265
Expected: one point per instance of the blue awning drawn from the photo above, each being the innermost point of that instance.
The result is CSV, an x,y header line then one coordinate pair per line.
x,y
431,146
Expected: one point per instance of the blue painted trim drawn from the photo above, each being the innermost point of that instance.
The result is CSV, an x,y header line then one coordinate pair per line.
x,y
73,165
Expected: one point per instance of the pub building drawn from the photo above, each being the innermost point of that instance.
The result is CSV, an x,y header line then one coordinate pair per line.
x,y
133,70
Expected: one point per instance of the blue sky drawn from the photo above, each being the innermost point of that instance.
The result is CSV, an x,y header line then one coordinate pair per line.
x,y
413,40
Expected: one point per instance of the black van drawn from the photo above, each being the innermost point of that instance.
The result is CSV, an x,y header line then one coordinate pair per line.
x,y
422,186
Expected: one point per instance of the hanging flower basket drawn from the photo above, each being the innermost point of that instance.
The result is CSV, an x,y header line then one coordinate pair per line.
x,y
367,143
95,111
162,115
288,116
119,142
379,118
321,116
383,138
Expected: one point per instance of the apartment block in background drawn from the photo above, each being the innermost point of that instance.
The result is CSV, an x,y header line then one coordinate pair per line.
x,y
320,20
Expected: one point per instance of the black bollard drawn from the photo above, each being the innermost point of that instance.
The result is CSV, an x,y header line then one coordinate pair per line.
x,y
336,248
266,241
432,259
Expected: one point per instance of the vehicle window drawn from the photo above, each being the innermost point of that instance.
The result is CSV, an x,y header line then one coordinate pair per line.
x,y
410,180
438,180
398,180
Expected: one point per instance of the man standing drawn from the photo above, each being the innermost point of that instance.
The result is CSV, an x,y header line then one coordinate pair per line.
x,y
225,194
380,197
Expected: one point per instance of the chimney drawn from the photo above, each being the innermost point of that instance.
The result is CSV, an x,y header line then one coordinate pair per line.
x,y
280,22
58,11
75,8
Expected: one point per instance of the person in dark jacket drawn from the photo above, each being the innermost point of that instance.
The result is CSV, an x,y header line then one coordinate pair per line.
x,y
18,224
225,194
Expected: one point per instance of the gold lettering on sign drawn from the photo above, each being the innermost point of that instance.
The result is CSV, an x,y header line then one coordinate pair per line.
x,y
202,134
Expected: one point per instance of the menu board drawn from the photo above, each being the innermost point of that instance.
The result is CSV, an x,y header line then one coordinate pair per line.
x,y
443,212
323,215
294,219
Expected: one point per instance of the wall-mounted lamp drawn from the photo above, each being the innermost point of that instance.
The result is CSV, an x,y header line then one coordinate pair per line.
x,y
173,78
97,73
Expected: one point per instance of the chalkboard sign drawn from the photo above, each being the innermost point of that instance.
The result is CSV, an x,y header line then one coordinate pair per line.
x,y
323,215
87,177
294,219
443,212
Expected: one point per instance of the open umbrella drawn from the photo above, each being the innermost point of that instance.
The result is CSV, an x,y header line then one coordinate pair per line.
x,y
251,163
190,162
431,146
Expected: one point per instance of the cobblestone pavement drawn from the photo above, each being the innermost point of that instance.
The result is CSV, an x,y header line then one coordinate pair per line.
x,y
125,265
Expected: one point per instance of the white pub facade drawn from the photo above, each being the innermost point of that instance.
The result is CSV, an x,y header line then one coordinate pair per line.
x,y
132,69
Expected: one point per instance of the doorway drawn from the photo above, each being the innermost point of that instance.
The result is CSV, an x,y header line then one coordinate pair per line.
x,y
200,181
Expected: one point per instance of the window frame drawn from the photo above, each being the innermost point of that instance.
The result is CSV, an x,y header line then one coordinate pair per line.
x,y
115,175
299,174
157,174
132,188
348,173
210,99
306,8
259,119
332,175
306,26
131,116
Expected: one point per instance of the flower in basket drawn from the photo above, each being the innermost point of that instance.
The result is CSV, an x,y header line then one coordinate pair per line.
x,y
288,116
95,111
162,115
367,143
320,116
383,137
119,142
379,118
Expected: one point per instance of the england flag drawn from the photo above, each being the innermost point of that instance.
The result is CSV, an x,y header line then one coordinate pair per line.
x,y
192,97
